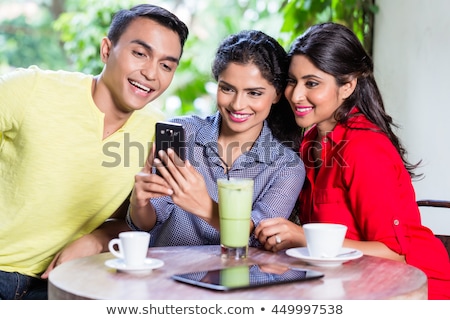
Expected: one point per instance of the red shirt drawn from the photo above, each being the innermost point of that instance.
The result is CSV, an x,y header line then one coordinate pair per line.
x,y
363,184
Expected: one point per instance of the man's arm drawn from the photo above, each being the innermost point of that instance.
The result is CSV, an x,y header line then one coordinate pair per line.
x,y
112,227
94,242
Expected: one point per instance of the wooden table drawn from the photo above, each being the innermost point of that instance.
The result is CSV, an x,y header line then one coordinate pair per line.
x,y
366,278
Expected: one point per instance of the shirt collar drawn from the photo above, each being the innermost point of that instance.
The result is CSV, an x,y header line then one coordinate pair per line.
x,y
339,131
265,149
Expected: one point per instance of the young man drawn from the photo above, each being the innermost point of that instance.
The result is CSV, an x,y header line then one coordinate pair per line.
x,y
70,145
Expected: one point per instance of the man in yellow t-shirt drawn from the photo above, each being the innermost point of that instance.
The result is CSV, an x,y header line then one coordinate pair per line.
x,y
70,145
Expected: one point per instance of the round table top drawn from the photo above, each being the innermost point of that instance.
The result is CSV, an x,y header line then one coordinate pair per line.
x,y
367,278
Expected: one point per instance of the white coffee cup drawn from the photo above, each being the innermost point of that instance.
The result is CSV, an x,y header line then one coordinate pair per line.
x,y
324,240
133,247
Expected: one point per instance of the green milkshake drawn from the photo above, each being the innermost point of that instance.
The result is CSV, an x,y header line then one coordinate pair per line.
x,y
235,206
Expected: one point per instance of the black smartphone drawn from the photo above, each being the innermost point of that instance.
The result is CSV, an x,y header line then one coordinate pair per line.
x,y
170,135
244,277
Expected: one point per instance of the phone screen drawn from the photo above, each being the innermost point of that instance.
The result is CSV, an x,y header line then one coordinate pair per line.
x,y
170,135
250,276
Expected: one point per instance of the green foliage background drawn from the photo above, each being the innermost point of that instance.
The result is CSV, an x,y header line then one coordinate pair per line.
x,y
65,34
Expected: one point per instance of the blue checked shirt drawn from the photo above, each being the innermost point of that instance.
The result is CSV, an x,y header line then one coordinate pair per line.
x,y
277,171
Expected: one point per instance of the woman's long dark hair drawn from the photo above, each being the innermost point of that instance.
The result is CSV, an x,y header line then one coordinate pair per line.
x,y
335,49
252,46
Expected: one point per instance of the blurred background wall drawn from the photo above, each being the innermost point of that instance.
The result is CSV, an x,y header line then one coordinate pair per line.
x,y
412,66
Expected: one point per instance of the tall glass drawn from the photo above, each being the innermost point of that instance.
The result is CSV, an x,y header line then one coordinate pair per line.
x,y
235,207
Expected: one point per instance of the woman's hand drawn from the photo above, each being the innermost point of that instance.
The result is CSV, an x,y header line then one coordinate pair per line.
x,y
148,185
279,233
188,185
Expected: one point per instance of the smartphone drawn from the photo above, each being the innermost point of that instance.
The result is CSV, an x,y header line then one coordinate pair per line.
x,y
245,277
170,135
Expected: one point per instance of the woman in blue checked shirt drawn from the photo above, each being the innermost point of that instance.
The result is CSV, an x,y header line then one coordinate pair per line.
x,y
252,135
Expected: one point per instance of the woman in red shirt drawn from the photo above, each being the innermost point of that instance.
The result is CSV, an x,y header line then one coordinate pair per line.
x,y
356,168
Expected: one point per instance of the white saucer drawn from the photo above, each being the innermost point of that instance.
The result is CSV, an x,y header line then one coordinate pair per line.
x,y
347,254
148,266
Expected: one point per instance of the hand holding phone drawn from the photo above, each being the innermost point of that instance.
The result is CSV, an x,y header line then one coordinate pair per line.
x,y
170,135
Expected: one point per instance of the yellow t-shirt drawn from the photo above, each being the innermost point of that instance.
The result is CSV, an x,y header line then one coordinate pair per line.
x,y
59,179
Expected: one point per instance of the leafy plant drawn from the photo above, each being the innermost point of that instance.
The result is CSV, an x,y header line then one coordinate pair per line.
x,y
70,39
30,40
355,14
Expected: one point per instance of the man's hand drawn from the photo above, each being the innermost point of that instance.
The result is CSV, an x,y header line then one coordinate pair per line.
x,y
85,246
93,243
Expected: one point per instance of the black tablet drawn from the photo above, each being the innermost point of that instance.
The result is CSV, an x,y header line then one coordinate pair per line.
x,y
249,276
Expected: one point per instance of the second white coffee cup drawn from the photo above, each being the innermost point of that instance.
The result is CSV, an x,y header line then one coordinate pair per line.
x,y
133,247
324,240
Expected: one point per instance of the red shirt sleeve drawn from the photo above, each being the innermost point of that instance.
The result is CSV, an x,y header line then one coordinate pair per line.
x,y
380,192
